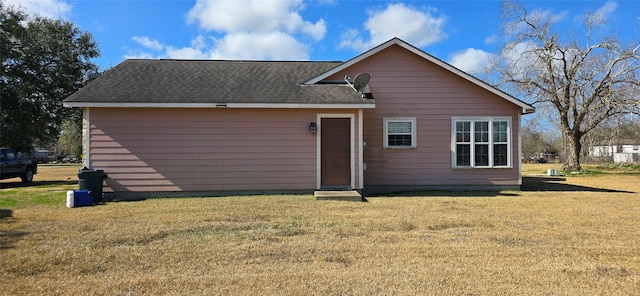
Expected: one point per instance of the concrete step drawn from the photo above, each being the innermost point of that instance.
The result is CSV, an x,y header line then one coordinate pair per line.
x,y
344,195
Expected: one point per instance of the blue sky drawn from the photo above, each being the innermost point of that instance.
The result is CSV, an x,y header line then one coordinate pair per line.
x,y
463,33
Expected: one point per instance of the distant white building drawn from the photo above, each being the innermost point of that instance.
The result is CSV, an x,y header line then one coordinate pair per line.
x,y
625,151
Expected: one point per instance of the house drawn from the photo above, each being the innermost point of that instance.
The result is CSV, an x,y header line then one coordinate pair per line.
x,y
622,151
186,127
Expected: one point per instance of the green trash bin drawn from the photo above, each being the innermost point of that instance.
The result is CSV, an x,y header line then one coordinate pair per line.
x,y
91,180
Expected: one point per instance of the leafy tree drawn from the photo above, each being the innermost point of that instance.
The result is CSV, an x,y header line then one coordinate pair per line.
x,y
71,138
43,62
584,79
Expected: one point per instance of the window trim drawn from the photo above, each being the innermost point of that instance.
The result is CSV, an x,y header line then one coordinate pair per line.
x,y
490,143
385,134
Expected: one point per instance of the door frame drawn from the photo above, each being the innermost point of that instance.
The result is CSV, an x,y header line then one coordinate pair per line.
x,y
352,160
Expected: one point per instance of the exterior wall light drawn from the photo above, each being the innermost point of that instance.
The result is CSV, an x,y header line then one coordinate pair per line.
x,y
313,128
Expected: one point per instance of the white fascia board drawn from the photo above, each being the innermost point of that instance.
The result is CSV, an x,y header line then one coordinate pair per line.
x,y
220,105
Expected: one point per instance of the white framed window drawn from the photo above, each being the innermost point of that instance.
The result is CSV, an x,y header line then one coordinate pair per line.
x,y
399,132
483,142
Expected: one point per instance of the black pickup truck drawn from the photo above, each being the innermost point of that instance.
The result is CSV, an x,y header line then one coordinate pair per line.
x,y
13,166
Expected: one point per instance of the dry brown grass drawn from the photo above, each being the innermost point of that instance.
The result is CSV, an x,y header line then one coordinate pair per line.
x,y
579,238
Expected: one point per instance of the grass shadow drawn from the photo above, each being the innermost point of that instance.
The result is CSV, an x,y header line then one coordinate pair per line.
x,y
6,213
18,184
555,184
444,193
9,238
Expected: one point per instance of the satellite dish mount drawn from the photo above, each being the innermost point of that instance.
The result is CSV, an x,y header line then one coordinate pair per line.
x,y
359,82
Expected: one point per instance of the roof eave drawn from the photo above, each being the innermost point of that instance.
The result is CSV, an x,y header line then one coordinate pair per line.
x,y
367,105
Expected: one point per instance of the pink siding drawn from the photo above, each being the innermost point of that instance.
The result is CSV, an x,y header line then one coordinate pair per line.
x,y
147,150
205,149
405,85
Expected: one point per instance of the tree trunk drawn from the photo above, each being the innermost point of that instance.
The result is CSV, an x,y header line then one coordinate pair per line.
x,y
572,162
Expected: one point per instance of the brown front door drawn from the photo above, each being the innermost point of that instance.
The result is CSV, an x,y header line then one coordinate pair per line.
x,y
335,152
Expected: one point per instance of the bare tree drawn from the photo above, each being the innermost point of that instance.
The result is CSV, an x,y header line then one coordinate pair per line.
x,y
537,144
584,79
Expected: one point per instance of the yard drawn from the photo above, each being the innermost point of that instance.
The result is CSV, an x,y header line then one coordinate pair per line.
x,y
573,235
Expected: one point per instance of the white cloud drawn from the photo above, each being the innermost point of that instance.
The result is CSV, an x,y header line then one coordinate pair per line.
x,y
520,59
137,54
257,16
45,8
199,42
420,28
258,46
548,15
238,46
471,60
196,51
536,16
601,15
252,29
148,42
317,31
491,39
606,10
520,53
351,39
186,53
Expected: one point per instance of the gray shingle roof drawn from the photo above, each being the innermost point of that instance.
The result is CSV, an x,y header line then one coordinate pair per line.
x,y
208,81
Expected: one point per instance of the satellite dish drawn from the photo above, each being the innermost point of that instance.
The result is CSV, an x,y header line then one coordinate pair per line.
x,y
360,81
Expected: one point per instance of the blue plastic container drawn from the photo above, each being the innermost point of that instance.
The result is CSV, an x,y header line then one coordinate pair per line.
x,y
79,198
